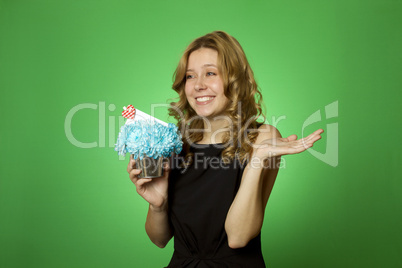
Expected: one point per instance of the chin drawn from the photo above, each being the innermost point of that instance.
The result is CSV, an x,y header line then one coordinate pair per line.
x,y
208,113
203,113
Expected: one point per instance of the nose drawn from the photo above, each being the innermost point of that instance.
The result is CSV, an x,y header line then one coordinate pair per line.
x,y
199,85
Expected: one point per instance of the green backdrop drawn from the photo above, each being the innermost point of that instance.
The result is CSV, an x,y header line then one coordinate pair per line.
x,y
334,65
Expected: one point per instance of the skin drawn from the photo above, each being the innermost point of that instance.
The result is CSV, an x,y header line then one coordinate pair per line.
x,y
155,192
246,214
203,79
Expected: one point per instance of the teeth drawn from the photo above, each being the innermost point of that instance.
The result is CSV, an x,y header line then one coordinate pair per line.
x,y
204,99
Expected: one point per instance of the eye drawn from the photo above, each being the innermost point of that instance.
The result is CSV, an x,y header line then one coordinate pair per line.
x,y
189,76
210,73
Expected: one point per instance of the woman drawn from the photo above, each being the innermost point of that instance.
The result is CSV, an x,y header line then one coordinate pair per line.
x,y
213,203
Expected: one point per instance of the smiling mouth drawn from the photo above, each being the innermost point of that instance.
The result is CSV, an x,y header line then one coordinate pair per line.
x,y
204,99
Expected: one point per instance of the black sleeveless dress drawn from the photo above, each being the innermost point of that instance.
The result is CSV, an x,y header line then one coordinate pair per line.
x,y
199,200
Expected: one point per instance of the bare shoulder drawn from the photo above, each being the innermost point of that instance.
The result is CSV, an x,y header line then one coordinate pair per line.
x,y
266,131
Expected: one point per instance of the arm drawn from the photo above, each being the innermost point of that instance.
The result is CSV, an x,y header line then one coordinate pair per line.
x,y
246,214
155,192
157,226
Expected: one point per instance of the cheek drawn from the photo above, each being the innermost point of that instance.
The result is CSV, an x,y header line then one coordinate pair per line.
x,y
218,86
187,88
186,93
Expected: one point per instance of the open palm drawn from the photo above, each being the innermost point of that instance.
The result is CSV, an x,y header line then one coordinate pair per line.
x,y
284,146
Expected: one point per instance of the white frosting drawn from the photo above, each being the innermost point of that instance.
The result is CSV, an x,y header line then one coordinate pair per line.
x,y
139,115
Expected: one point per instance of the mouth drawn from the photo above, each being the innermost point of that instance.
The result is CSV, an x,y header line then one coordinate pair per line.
x,y
204,100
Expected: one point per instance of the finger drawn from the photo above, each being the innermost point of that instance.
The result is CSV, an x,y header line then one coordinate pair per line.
x,y
305,143
131,164
134,175
132,161
297,146
292,137
316,133
289,150
142,181
301,147
166,166
313,137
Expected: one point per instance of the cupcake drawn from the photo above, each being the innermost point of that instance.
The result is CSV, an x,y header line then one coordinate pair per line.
x,y
149,140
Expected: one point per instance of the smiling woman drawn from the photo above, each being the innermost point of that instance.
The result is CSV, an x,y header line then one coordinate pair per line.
x,y
215,66
213,202
204,85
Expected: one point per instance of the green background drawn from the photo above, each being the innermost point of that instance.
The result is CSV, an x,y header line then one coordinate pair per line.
x,y
65,206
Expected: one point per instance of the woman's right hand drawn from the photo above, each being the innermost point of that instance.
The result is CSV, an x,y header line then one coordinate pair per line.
x,y
153,190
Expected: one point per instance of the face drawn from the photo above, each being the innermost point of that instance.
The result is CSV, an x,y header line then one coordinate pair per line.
x,y
204,84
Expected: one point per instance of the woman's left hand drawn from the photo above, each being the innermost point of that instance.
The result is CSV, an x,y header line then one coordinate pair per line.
x,y
283,146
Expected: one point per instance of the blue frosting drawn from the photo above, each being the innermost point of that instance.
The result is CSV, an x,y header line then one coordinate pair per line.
x,y
152,139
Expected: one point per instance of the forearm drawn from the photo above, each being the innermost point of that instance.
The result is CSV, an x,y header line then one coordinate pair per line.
x,y
246,214
157,226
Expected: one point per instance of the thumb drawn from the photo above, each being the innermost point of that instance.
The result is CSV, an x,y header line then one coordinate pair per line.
x,y
292,137
166,167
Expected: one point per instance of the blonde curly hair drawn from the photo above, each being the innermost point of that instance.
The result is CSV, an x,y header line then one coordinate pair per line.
x,y
245,100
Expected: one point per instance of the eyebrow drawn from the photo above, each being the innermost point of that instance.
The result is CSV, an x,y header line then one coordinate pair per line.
x,y
205,65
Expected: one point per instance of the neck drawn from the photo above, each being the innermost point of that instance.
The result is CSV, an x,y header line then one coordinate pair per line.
x,y
214,130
